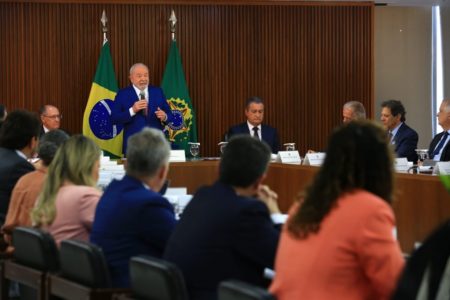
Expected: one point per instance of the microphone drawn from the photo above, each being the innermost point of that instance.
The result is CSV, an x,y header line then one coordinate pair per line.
x,y
142,97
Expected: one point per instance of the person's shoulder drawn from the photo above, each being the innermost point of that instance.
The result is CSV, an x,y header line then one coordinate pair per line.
x,y
237,128
408,130
361,199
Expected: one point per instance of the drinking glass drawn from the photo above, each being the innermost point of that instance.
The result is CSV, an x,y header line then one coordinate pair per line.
x,y
422,153
222,146
289,146
194,149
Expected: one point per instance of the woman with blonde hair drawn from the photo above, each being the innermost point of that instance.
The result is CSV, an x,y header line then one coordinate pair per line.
x,y
338,242
67,203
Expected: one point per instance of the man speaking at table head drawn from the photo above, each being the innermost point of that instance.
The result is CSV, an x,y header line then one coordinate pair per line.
x,y
254,111
140,105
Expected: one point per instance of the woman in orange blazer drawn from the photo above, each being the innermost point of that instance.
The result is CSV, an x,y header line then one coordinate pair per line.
x,y
339,240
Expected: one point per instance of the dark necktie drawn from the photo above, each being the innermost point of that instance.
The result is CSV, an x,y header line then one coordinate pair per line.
x,y
440,145
255,132
389,136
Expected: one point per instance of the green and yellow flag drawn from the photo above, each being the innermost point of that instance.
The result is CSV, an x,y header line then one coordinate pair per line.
x,y
97,115
183,129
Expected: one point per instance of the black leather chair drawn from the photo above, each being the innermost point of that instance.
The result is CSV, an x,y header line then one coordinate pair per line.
x,y
35,256
84,273
156,279
238,290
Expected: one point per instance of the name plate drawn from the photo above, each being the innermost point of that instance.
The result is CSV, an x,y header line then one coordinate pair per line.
x,y
177,156
401,164
314,159
442,168
289,157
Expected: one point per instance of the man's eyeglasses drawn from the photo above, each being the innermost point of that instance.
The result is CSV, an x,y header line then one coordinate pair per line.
x,y
54,117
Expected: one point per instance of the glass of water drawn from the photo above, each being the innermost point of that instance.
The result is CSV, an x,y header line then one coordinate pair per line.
x,y
222,146
194,149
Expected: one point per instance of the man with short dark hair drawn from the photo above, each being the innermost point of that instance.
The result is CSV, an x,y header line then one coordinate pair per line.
x,y
132,218
50,118
403,138
18,139
254,111
226,230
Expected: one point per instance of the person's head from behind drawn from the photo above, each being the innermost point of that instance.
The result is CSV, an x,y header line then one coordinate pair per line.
x,y
254,110
392,113
358,157
139,76
76,162
353,110
444,114
50,117
49,144
244,162
20,131
148,157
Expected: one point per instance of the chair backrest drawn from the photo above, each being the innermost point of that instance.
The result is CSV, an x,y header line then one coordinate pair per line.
x,y
238,290
156,279
84,263
35,248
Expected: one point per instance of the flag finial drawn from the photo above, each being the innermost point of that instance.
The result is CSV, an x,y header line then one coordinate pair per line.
x,y
173,21
104,21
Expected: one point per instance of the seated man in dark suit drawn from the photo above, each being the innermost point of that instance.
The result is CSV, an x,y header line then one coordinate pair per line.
x,y
132,218
254,111
401,136
50,118
18,139
439,149
226,231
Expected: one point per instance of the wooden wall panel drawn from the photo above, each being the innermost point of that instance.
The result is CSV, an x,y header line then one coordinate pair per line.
x,y
304,59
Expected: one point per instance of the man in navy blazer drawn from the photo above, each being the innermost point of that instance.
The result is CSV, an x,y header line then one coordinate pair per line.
x,y
18,139
403,138
140,105
132,218
254,111
439,149
226,230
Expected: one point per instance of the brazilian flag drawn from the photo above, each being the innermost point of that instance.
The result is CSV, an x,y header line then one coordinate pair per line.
x,y
97,123
183,129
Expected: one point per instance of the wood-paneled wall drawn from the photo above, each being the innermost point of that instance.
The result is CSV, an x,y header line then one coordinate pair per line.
x,y
304,59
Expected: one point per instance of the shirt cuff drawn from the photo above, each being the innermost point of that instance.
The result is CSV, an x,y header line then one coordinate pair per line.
x,y
279,218
132,113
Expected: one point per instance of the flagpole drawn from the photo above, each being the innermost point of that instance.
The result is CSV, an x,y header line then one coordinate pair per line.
x,y
104,21
173,21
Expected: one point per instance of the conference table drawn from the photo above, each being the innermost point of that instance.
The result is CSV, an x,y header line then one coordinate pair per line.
x,y
421,201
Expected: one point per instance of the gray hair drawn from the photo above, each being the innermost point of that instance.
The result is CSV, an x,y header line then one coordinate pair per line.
x,y
137,65
147,151
49,144
359,112
446,102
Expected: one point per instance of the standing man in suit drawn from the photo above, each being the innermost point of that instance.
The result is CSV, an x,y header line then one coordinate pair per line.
x,y
132,218
353,110
140,105
18,139
254,111
50,118
226,230
439,149
403,138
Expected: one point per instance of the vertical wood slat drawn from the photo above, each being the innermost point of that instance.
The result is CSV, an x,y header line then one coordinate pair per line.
x,y
304,60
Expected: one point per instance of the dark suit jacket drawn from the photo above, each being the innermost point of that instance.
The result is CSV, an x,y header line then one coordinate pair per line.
x,y
12,167
221,236
125,99
405,141
268,134
432,255
445,156
130,220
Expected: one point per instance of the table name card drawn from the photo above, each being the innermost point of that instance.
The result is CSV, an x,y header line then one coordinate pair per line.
x,y
289,157
177,156
314,159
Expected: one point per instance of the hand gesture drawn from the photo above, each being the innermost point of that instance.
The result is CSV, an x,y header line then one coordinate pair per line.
x,y
269,197
139,105
161,115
